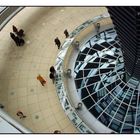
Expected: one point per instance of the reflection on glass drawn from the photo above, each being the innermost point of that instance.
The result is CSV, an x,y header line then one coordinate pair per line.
x,y
107,94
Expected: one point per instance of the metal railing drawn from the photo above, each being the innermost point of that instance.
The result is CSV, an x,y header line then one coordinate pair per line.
x,y
7,14
80,34
13,123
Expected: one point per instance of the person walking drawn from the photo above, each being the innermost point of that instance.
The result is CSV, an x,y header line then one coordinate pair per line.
x,y
52,69
12,36
52,77
66,33
21,42
20,33
16,40
21,115
41,79
15,30
57,42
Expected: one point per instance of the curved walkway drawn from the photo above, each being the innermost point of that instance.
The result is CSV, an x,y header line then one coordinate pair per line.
x,y
19,66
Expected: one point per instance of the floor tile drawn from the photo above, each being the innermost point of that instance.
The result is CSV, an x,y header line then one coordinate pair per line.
x,y
19,66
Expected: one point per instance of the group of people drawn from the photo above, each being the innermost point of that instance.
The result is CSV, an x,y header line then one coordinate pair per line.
x,y
57,41
17,36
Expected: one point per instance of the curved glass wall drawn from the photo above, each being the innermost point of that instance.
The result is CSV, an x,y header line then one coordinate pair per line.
x,y
104,87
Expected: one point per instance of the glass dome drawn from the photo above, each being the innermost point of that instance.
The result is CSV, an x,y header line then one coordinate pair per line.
x,y
103,86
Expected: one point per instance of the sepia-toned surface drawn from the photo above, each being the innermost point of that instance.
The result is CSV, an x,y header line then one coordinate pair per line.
x,y
19,66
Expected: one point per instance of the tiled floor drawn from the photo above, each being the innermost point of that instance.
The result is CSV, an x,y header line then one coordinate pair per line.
x,y
19,66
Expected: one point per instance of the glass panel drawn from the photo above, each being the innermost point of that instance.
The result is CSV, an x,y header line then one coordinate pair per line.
x,y
105,83
78,66
98,47
105,119
96,111
97,60
103,60
111,42
79,74
86,72
78,83
103,104
84,93
129,119
138,120
85,51
92,80
111,110
94,96
120,116
134,100
115,125
105,70
81,57
110,57
91,52
127,129
105,44
88,102
90,89
137,130
91,65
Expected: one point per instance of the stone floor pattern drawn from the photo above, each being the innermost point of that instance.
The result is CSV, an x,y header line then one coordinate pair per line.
x,y
19,66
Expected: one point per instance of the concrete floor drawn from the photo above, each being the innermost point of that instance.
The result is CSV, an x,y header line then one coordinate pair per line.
x,y
19,66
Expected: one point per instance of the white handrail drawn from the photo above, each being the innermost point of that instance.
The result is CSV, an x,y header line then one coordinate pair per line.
x,y
7,14
13,123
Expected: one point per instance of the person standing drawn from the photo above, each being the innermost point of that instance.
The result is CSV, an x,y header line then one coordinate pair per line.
x,y
16,39
12,36
52,77
52,69
57,42
21,41
66,33
20,33
15,30
41,79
